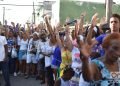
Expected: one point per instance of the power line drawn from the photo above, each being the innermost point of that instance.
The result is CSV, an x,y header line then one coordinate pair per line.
x,y
18,5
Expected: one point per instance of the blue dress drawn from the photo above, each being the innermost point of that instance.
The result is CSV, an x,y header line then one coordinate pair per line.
x,y
107,79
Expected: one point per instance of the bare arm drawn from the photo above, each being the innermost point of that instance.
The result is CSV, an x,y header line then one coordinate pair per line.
x,y
76,30
28,31
6,52
49,27
88,69
102,22
79,26
69,42
89,35
58,38
84,56
81,23
89,39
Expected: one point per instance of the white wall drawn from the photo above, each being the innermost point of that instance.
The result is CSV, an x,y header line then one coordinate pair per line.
x,y
55,12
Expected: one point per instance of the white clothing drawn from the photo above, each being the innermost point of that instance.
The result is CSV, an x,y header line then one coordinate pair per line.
x,y
31,42
41,48
48,60
3,42
18,40
76,62
64,83
23,44
29,45
46,48
82,82
31,58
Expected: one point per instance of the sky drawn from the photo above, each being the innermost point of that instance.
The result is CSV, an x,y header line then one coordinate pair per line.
x,y
16,13
22,14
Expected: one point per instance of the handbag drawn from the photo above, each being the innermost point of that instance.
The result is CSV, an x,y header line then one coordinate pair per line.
x,y
14,53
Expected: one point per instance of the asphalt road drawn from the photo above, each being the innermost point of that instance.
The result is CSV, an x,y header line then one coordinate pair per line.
x,y
21,81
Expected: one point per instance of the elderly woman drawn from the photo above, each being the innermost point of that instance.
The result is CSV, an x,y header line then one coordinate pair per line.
x,y
100,72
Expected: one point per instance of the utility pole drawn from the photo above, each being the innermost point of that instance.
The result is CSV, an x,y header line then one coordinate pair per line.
x,y
33,14
3,15
109,4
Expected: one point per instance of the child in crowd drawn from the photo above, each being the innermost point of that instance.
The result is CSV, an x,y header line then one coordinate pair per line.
x,y
68,73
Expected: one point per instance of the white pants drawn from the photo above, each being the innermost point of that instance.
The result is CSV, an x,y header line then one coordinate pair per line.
x,y
31,58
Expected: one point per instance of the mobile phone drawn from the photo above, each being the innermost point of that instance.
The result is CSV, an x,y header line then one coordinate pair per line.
x,y
71,22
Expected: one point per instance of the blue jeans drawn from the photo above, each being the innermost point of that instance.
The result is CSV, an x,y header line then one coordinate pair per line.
x,y
5,70
12,67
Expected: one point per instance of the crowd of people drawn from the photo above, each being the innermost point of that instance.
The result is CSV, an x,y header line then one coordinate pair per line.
x,y
60,56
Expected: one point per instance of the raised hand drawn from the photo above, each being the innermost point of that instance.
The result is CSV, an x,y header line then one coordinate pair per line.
x,y
67,29
13,24
56,31
85,49
58,26
94,19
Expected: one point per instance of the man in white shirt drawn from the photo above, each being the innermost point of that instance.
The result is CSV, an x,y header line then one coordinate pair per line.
x,y
3,58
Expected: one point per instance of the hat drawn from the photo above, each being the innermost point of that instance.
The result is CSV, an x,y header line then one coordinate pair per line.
x,y
36,33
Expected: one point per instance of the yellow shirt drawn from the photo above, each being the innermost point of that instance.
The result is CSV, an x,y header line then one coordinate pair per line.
x,y
66,60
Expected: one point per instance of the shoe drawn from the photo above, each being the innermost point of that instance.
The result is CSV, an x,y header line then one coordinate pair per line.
x,y
0,72
19,73
27,76
15,74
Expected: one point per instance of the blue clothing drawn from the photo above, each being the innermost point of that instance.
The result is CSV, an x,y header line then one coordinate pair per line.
x,y
56,57
10,42
101,38
100,41
107,79
21,54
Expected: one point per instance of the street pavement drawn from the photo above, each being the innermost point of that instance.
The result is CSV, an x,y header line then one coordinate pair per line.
x,y
21,81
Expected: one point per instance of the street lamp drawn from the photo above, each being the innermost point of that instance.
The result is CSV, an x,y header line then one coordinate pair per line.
x,y
36,12
4,13
33,20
